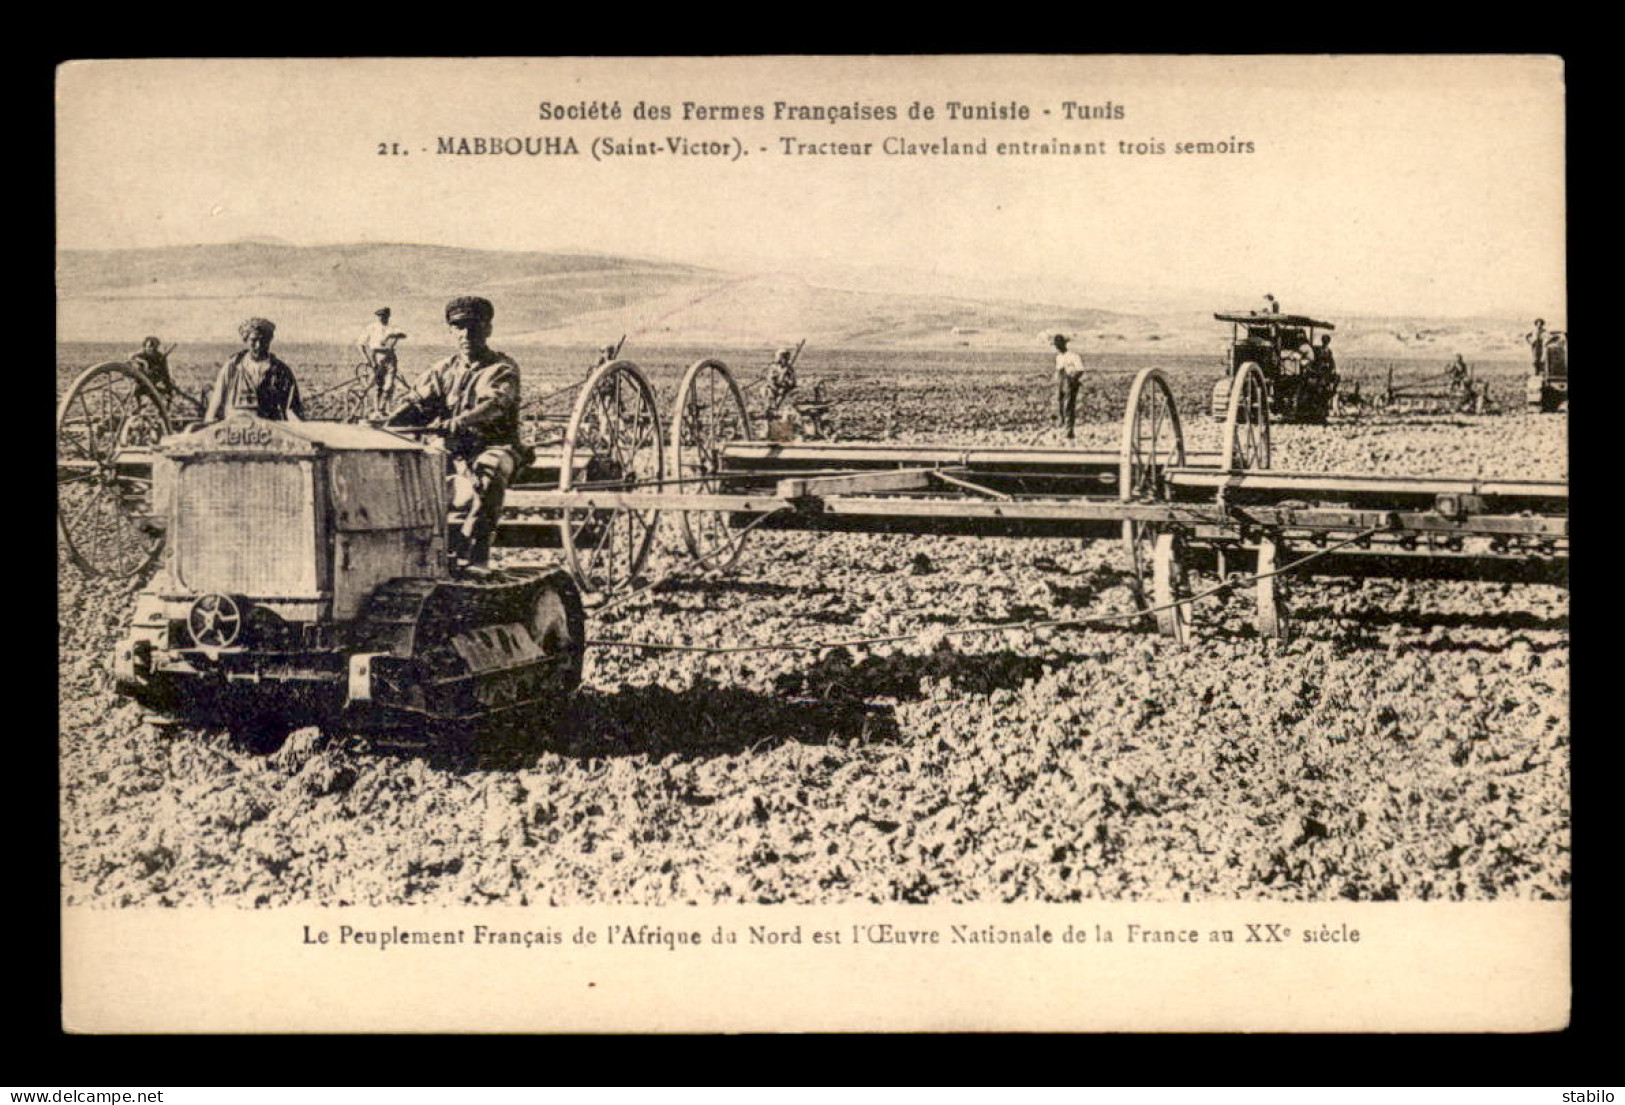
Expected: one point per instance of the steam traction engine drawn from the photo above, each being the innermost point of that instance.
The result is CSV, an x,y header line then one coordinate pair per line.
x,y
304,580
1282,349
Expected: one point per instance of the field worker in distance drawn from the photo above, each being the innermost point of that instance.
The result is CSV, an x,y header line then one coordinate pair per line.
x,y
605,355
1271,307
1325,363
473,398
377,345
1537,345
1457,373
153,363
1068,378
254,380
781,381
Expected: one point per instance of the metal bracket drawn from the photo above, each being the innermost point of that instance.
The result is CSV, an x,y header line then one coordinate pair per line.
x,y
1457,506
358,687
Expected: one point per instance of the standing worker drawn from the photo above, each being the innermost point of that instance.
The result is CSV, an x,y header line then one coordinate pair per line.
x,y
1271,305
473,398
254,380
781,381
1068,378
377,345
1536,339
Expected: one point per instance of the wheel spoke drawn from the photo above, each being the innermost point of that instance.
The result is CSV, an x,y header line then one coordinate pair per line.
x,y
709,411
109,410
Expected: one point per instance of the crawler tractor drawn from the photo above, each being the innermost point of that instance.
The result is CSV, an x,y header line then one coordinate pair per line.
x,y
1547,389
304,579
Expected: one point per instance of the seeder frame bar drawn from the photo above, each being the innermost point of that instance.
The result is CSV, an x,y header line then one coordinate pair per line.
x,y
1089,515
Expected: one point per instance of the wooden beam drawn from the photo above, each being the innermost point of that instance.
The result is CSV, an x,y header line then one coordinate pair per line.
x,y
977,488
1311,484
857,483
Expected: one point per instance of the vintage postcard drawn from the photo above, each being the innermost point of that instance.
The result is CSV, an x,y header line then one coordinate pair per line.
x,y
813,543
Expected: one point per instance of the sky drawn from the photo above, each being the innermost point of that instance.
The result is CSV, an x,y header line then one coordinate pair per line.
x,y
1428,186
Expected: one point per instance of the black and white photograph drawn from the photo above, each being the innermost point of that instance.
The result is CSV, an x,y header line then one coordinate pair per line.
x,y
647,523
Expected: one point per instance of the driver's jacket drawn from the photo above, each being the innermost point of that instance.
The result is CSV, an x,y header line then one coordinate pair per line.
x,y
480,401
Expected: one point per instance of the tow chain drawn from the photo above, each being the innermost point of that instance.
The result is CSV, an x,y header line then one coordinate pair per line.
x,y
685,567
935,635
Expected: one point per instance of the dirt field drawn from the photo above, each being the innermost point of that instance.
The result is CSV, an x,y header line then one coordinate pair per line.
x,y
1412,743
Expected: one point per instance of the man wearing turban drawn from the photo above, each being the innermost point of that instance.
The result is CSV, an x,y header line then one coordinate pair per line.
x,y
254,381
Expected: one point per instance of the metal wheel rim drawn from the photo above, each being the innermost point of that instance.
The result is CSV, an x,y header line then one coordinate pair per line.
x,y
357,401
614,426
109,408
1272,618
1170,584
1247,422
1152,440
709,411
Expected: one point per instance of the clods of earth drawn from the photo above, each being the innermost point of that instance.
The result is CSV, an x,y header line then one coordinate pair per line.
x,y
1411,743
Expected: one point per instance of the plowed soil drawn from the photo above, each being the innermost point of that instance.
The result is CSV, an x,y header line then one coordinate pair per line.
x,y
1411,743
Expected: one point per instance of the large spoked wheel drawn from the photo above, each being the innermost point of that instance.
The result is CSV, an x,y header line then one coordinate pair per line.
x,y
1273,617
1152,443
612,445
1247,447
106,427
1247,421
710,412
355,400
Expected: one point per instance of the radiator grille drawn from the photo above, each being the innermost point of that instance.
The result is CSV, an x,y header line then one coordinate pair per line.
x,y
246,527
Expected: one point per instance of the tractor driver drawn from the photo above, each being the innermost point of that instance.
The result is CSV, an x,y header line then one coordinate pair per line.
x,y
153,363
1325,363
473,398
254,380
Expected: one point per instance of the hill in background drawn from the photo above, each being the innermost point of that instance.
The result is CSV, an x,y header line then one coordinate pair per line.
x,y
321,293
325,294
